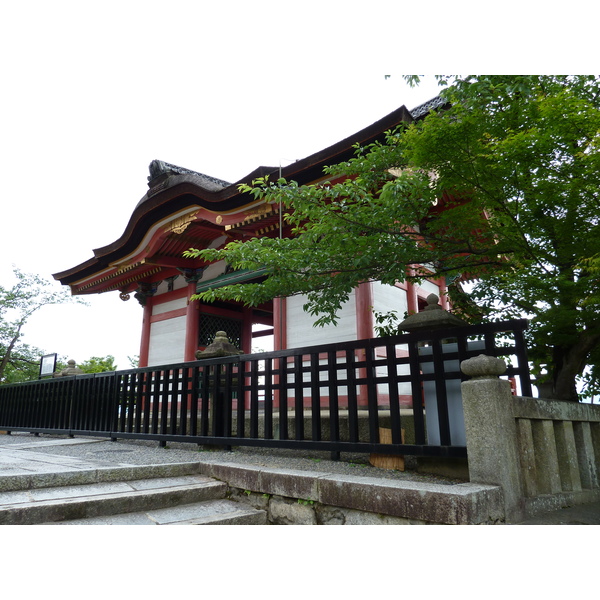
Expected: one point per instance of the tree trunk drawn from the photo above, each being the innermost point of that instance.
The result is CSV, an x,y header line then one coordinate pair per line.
x,y
568,363
8,353
564,387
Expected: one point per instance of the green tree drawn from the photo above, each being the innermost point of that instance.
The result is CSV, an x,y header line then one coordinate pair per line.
x,y
500,187
591,374
26,296
23,364
94,364
98,364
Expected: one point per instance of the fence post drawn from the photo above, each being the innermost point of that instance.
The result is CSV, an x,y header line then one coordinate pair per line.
x,y
491,431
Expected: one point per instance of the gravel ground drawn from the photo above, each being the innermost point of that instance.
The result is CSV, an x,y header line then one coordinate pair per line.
x,y
148,452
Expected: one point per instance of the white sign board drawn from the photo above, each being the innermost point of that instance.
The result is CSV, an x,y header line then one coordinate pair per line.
x,y
47,365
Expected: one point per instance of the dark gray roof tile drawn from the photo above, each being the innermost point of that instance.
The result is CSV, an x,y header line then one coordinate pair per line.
x,y
424,108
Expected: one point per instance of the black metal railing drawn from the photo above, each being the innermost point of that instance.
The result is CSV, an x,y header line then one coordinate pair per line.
x,y
333,397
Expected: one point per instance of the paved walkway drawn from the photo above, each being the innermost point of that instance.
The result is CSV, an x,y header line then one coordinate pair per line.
x,y
585,514
27,454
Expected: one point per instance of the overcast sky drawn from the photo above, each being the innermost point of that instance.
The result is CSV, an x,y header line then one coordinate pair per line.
x,y
93,92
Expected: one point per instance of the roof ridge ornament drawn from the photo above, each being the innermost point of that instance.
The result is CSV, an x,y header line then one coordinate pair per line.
x,y
426,107
159,168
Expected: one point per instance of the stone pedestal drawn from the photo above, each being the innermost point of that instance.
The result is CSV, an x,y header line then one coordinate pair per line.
x,y
491,431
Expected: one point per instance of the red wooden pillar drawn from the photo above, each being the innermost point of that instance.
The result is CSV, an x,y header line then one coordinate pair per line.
x,y
246,330
279,324
145,340
144,296
279,339
412,304
443,294
192,320
364,312
363,296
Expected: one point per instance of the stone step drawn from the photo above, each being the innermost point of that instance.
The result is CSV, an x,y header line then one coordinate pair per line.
x,y
68,502
78,476
210,512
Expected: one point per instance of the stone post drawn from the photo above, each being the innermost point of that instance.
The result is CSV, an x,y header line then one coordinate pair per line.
x,y
491,431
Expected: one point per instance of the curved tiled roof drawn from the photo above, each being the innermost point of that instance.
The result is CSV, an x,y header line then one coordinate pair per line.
x,y
175,192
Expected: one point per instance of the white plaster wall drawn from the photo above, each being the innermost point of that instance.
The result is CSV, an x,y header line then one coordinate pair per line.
x,y
387,298
300,330
159,309
430,288
167,341
214,270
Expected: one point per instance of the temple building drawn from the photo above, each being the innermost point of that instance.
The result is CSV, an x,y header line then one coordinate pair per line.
x,y
184,209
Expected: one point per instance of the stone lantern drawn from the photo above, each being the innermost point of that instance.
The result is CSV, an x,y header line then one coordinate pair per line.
x,y
72,369
221,346
433,316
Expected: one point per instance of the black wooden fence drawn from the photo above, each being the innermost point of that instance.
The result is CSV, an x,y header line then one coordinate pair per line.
x,y
332,397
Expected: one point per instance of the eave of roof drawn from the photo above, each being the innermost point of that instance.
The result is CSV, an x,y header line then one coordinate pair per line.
x,y
174,188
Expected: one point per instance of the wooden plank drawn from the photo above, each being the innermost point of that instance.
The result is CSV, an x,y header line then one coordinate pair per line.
x,y
387,461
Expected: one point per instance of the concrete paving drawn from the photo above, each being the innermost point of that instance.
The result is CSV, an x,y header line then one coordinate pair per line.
x,y
583,514
27,455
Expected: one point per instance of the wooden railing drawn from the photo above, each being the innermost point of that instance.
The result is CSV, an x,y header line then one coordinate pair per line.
x,y
334,397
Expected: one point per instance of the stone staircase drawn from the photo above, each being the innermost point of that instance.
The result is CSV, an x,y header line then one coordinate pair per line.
x,y
174,494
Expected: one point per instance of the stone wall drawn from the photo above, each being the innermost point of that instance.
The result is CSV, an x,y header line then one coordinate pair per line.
x,y
282,510
544,454
310,497
559,452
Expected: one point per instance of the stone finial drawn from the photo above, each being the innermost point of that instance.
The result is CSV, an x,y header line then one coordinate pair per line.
x,y
433,316
221,346
72,369
432,302
483,367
